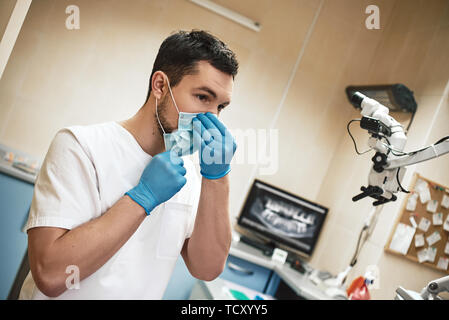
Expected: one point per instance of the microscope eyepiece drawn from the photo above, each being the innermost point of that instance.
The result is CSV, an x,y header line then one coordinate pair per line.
x,y
357,99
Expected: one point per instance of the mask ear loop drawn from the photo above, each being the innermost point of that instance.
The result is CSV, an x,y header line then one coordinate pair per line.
x,y
174,102
157,116
172,97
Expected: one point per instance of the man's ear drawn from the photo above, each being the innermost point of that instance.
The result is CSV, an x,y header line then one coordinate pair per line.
x,y
158,84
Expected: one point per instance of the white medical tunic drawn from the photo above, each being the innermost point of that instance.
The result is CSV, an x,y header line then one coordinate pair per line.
x,y
86,171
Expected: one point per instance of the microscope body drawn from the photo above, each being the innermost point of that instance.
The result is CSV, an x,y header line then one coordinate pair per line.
x,y
386,134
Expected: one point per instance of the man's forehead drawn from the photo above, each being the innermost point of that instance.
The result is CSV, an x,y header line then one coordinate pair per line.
x,y
208,78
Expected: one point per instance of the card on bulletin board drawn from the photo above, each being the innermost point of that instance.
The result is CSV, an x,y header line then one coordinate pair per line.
x,y
425,238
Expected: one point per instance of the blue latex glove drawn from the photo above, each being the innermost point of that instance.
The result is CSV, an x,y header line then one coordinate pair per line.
x,y
162,179
217,145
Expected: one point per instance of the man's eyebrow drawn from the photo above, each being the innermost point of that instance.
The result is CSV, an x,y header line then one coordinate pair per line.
x,y
208,90
211,92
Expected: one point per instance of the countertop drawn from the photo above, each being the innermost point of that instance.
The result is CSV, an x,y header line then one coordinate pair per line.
x,y
299,283
6,167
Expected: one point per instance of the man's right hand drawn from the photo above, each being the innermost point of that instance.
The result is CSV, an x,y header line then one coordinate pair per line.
x,y
162,179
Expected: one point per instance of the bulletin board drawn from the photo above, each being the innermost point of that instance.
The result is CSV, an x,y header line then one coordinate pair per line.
x,y
411,219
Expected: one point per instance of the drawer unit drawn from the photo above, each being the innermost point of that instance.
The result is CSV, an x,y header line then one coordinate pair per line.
x,y
247,274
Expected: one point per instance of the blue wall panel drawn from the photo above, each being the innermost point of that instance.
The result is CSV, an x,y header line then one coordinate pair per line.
x,y
15,201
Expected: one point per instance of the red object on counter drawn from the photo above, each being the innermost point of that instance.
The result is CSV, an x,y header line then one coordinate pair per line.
x,y
358,290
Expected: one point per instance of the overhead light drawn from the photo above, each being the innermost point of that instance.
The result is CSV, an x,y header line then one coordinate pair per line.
x,y
396,97
231,15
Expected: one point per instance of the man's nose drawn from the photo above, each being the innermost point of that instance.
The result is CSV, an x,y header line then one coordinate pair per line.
x,y
213,111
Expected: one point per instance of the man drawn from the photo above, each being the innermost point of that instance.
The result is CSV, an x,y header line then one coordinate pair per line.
x,y
115,203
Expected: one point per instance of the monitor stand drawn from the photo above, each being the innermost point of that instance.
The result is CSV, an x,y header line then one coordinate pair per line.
x,y
266,248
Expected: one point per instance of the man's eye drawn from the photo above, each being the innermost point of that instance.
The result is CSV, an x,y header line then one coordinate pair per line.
x,y
202,97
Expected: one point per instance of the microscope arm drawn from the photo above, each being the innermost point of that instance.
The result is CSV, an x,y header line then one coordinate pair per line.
x,y
435,287
431,152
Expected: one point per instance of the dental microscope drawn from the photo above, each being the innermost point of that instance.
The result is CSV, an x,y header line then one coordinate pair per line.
x,y
387,139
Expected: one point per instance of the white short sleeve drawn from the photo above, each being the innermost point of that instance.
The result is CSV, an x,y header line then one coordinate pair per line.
x,y
65,192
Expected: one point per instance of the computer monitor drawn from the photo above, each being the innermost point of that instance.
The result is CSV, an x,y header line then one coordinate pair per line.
x,y
290,221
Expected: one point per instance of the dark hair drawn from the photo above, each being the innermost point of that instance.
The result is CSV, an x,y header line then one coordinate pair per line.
x,y
180,53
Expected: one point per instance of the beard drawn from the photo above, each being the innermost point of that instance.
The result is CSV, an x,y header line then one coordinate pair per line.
x,y
162,107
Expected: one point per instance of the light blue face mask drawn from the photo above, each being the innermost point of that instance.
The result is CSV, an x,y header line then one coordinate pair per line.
x,y
180,140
